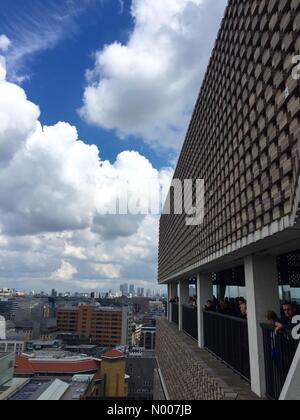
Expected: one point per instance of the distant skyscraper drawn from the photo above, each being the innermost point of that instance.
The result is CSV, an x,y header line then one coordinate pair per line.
x,y
131,289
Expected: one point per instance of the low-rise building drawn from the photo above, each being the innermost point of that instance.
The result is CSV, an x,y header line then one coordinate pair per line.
x,y
7,362
38,345
17,347
8,384
111,380
8,307
52,389
148,338
140,367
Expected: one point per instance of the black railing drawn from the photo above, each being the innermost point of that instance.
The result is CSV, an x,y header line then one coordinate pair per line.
x,y
279,352
227,338
190,321
175,313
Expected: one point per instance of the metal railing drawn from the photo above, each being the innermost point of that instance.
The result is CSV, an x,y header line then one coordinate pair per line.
x,y
190,321
279,352
175,313
227,338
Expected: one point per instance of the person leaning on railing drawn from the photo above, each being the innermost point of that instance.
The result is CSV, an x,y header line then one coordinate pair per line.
x,y
273,319
286,322
244,310
193,301
210,306
174,300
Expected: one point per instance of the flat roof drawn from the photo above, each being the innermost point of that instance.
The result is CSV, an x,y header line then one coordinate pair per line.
x,y
55,391
31,391
3,355
75,391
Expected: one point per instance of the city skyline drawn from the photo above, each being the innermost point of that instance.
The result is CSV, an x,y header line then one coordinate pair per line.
x,y
155,291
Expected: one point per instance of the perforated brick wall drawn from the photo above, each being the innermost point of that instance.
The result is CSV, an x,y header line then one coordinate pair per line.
x,y
244,136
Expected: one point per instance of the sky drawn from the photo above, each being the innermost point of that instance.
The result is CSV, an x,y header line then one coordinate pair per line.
x,y
92,93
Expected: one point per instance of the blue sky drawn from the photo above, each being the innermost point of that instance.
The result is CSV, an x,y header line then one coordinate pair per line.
x,y
126,75
57,75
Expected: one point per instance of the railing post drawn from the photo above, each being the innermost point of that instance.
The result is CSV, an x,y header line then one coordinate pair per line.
x,y
172,293
204,293
184,293
262,295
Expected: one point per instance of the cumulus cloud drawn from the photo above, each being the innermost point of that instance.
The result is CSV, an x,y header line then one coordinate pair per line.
x,y
147,88
108,270
74,252
18,117
4,43
54,193
65,272
52,181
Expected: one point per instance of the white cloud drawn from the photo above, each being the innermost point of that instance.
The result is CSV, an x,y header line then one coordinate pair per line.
x,y
18,117
65,272
74,252
108,270
4,43
147,88
121,6
39,26
2,68
52,186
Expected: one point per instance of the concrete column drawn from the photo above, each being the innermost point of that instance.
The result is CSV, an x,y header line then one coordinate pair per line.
x,y
172,292
262,295
204,293
184,294
169,309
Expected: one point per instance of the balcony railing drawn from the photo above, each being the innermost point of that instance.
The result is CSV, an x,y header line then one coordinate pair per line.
x,y
175,313
279,352
190,321
227,338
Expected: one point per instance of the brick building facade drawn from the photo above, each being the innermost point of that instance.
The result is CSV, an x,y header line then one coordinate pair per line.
x,y
107,326
243,139
244,142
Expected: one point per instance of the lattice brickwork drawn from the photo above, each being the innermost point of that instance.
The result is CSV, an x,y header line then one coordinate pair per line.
x,y
244,137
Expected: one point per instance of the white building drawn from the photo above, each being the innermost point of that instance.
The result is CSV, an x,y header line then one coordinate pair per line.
x,y
12,346
2,328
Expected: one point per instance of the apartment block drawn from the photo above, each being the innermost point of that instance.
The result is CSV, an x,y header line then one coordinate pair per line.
x,y
106,326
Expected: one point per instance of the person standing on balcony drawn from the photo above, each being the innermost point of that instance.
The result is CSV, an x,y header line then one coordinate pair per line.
x,y
224,308
210,307
244,311
286,322
272,318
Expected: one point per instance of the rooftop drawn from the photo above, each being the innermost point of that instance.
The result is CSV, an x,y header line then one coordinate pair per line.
x,y
51,390
55,391
27,366
113,354
3,355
